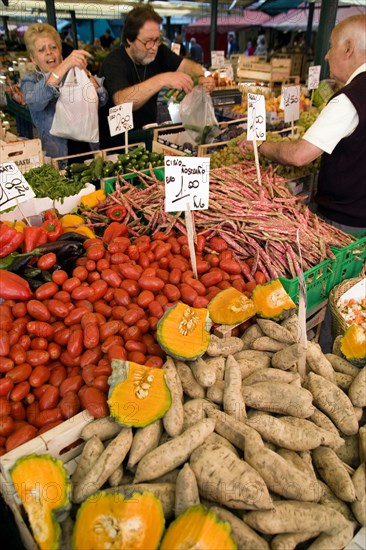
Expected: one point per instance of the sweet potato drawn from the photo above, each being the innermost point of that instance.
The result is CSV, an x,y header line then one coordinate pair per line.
x,y
203,373
327,438
92,450
215,393
144,440
296,460
334,473
189,384
342,365
359,506
278,397
116,477
280,476
228,427
276,331
267,375
318,363
186,490
104,428
336,541
329,499
333,402
165,492
292,325
323,421
169,477
173,453
193,412
291,540
343,381
224,346
219,440
217,364
251,361
349,453
357,390
265,343
250,334
362,443
173,418
289,357
105,465
244,536
233,402
296,517
225,479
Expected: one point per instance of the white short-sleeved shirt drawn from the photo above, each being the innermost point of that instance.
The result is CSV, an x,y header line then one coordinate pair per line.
x,y
336,121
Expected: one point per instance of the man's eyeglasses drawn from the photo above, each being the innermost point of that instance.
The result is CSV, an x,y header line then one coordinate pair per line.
x,y
150,44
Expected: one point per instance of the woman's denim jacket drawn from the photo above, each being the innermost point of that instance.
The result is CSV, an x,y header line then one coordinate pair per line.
x,y
41,100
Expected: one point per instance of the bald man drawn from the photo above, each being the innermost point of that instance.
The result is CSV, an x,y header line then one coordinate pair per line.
x,y
339,133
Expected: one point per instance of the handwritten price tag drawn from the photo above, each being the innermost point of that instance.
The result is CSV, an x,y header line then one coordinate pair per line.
x,y
186,183
314,77
14,189
120,119
291,102
175,47
256,117
218,59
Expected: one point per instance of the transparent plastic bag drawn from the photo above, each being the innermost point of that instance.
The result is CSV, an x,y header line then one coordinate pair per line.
x,y
198,116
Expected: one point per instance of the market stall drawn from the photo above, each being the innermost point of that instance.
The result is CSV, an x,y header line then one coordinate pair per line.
x,y
161,380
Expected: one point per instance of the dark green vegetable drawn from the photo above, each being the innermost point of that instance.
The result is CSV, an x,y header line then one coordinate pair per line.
x,y
72,236
46,181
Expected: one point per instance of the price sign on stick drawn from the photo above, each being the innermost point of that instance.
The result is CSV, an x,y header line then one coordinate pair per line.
x,y
14,189
256,125
314,77
187,189
175,47
291,103
218,59
120,119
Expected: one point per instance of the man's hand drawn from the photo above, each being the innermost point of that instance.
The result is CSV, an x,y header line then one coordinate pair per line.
x,y
245,146
179,81
208,83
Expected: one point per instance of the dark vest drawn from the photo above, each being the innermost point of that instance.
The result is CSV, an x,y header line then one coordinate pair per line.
x,y
341,195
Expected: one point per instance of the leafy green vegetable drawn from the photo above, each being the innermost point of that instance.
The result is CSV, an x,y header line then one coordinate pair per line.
x,y
46,181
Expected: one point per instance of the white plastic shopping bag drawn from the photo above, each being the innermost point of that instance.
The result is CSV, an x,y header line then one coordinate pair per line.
x,y
76,114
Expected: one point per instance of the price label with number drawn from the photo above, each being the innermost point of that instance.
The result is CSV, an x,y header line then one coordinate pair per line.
x,y
256,117
314,77
120,119
291,102
14,189
218,59
186,183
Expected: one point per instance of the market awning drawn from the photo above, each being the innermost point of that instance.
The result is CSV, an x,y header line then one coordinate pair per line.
x,y
250,18
298,19
273,7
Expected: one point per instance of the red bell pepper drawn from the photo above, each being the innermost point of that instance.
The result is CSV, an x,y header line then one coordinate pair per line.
x,y
50,215
114,229
33,236
53,229
13,287
116,213
10,240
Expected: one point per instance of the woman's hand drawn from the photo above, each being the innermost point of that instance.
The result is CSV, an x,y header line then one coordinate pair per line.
x,y
245,146
77,58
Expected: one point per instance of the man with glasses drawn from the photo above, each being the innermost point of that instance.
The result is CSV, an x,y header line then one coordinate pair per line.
x,y
137,70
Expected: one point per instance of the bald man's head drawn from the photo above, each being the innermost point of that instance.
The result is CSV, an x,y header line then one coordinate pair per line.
x,y
353,28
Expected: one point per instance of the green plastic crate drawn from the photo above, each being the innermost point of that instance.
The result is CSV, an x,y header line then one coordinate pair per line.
x,y
109,184
349,259
318,281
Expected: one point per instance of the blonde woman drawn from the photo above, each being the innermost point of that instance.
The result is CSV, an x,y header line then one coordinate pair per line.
x,y
41,87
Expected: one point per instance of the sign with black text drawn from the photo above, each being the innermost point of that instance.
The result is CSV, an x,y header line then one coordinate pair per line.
x,y
314,77
291,102
186,183
120,119
256,130
218,59
14,189
175,47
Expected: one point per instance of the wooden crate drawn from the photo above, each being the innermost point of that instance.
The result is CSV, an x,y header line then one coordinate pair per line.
x,y
82,157
26,153
62,442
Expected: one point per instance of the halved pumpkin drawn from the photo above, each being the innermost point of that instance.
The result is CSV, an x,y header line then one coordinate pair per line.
x,y
198,528
184,331
114,522
353,345
44,489
138,395
272,301
231,307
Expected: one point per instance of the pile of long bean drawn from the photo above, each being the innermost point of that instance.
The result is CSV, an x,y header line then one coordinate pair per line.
x,y
264,221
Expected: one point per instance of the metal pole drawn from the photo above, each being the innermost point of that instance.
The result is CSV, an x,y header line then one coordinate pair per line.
x,y
92,33
74,30
6,28
309,27
213,33
327,20
51,13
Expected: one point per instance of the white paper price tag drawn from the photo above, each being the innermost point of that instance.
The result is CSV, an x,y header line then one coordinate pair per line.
x,y
175,47
256,117
314,77
218,59
14,189
186,183
291,102
120,119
